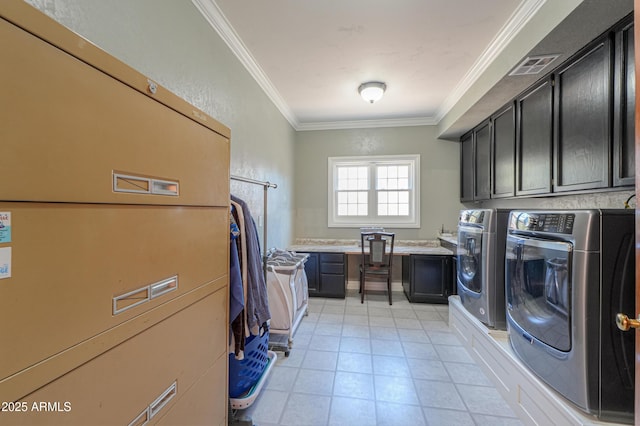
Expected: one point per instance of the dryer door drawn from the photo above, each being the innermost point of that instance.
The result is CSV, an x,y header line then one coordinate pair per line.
x,y
470,265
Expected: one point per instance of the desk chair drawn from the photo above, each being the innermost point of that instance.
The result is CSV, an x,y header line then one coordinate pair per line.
x,y
377,265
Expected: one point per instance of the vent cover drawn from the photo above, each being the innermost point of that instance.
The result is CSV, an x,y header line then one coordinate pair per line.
x,y
533,65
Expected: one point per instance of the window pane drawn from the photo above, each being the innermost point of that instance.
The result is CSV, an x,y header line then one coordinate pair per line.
x,y
352,178
403,183
363,183
351,203
393,203
393,171
403,171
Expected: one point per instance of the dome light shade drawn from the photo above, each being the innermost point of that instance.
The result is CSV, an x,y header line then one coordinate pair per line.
x,y
372,91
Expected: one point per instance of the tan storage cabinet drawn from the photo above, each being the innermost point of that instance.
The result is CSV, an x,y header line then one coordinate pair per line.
x,y
104,264
129,378
114,264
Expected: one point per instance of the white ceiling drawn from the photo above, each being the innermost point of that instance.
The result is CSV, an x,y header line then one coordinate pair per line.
x,y
310,56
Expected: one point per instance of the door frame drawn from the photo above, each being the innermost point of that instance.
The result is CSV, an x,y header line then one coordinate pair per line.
x,y
636,30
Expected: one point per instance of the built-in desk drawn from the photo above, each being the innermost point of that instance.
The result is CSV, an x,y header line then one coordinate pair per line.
x,y
422,268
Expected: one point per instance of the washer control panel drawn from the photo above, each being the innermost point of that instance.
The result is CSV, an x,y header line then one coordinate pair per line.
x,y
558,223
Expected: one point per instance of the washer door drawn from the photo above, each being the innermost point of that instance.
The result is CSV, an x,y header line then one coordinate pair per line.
x,y
538,284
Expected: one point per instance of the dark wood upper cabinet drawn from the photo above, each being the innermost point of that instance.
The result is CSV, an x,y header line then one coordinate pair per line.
x,y
482,161
503,149
624,107
572,131
534,139
582,138
466,168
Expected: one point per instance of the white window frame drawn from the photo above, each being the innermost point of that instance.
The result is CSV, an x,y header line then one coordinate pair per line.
x,y
372,219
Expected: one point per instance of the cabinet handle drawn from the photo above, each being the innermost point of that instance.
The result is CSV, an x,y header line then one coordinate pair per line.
x,y
136,297
130,183
163,399
163,287
144,185
142,418
129,300
164,187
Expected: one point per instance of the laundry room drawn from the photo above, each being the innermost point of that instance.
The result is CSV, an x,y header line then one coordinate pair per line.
x,y
289,213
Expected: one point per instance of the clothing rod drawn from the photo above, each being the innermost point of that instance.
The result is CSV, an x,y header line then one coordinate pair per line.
x,y
256,182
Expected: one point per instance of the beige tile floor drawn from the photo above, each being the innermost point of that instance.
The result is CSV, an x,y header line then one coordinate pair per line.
x,y
375,364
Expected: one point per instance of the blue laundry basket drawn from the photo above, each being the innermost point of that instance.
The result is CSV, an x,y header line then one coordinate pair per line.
x,y
246,373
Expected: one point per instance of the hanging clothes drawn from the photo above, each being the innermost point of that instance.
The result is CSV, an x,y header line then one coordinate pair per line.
x,y
237,281
236,293
256,300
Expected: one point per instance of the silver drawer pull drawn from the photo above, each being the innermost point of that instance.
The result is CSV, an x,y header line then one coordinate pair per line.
x,y
129,183
163,287
125,182
163,399
134,298
142,419
164,187
126,301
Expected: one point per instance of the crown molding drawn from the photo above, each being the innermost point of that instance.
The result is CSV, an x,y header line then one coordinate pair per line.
x,y
517,21
212,13
367,124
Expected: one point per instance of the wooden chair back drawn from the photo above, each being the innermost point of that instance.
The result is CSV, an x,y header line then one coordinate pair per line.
x,y
380,245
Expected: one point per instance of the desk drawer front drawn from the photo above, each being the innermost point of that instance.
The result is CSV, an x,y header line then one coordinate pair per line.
x,y
332,268
332,257
82,269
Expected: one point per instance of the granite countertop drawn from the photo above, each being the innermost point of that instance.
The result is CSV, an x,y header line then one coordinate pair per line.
x,y
401,247
450,238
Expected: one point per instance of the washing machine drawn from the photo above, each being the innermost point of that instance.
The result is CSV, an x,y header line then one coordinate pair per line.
x,y
568,273
480,264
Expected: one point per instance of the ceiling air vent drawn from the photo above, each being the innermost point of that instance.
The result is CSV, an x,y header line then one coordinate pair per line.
x,y
533,65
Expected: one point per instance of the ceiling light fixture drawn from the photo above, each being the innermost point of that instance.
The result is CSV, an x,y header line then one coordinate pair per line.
x,y
372,91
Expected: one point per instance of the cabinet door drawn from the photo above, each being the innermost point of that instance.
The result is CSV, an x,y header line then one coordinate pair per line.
x,y
534,139
430,278
482,161
466,167
504,153
583,121
624,108
313,278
